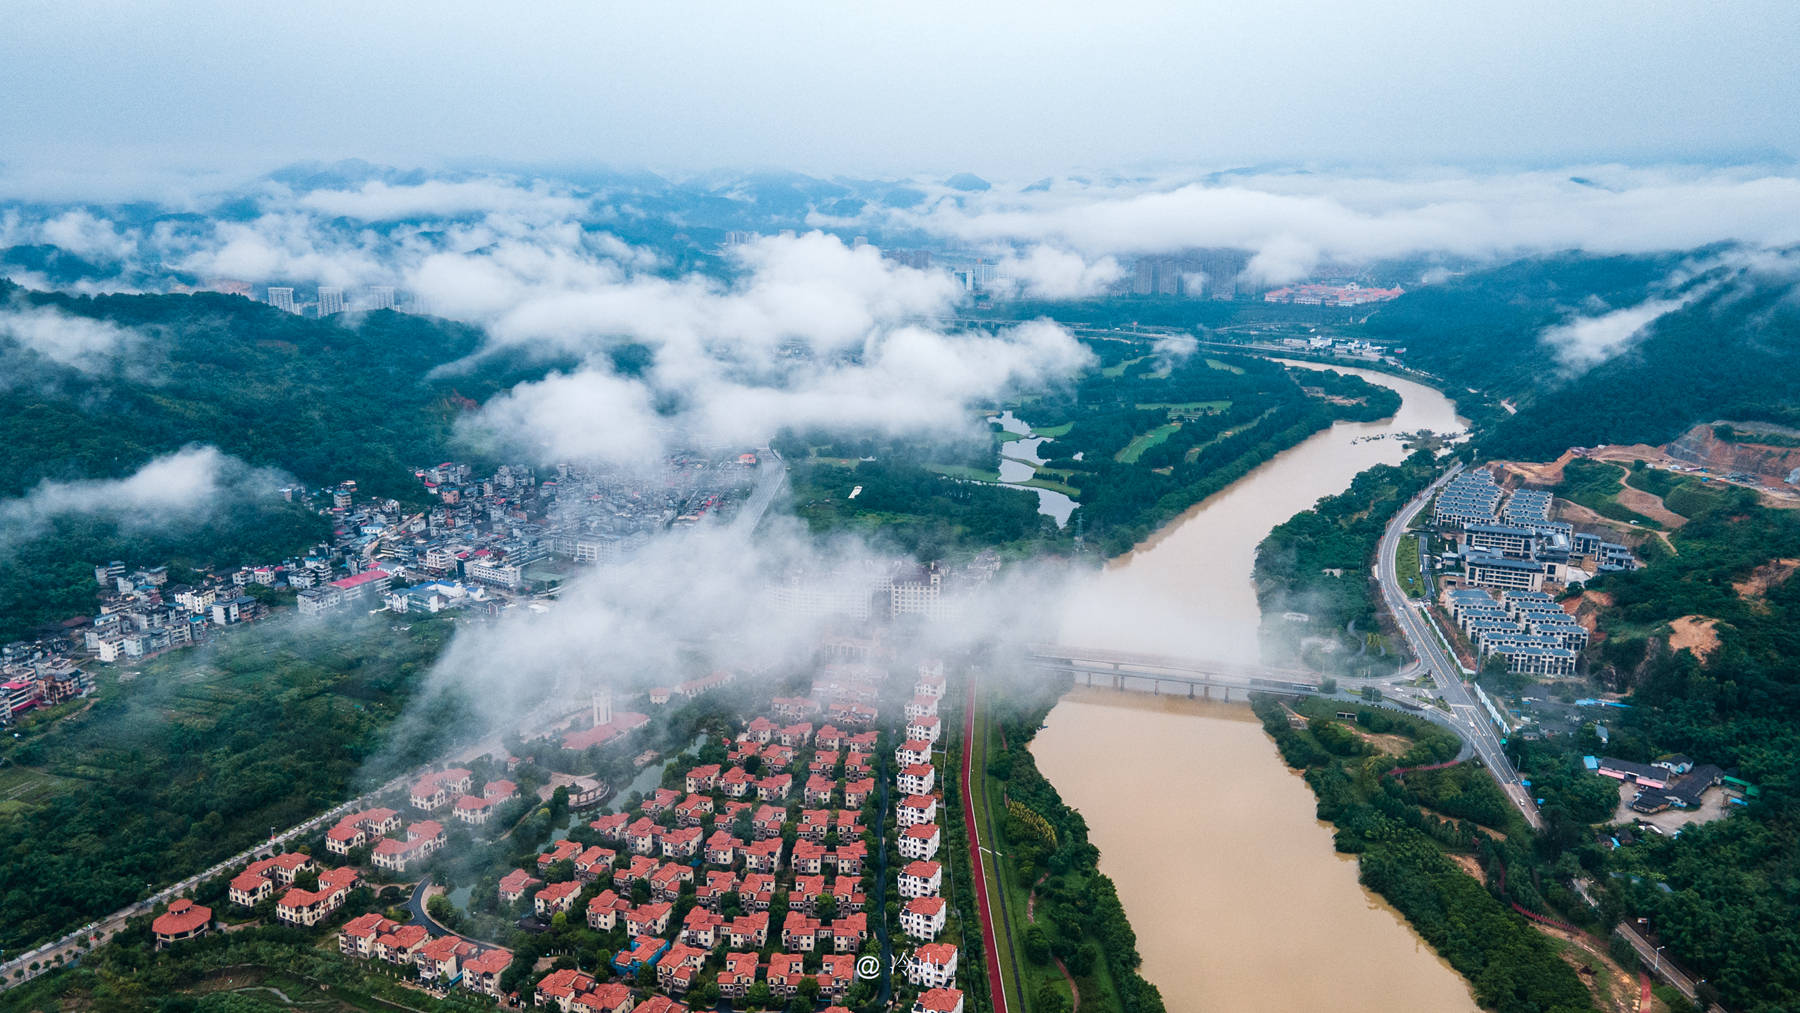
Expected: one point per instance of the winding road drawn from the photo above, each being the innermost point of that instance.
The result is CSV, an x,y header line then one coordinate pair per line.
x,y
1466,716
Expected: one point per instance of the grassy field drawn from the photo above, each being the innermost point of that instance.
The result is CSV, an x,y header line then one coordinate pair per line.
x,y
1054,431
1144,441
1227,367
1406,566
963,471
1118,369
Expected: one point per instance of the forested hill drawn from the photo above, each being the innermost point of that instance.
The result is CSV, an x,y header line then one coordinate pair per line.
x,y
1732,350
344,398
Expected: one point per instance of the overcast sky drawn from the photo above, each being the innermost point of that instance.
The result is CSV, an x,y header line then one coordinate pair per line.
x,y
1000,89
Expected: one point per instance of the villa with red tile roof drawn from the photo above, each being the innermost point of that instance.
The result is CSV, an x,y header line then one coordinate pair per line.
x,y
183,920
642,835
819,789
357,829
604,909
763,856
939,1000
846,890
794,707
559,988
623,723
440,959
259,879
913,752
555,898
829,737
849,932
660,1004
921,879
692,810
683,842
923,917
667,880
400,944
917,779
824,762
310,907
920,707
561,850
702,778
750,931
808,858
661,800
737,782
640,867
710,894
612,827
608,997
916,809
932,965
516,884
857,792
777,758
738,975
482,973
786,970
436,789
594,865
836,973
357,937
766,821
679,967
924,728
722,848
756,891
701,927
423,839
775,787
650,919
795,735
919,842
760,730
798,932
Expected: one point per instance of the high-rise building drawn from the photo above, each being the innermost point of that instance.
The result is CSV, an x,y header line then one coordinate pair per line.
x,y
331,300
381,297
282,299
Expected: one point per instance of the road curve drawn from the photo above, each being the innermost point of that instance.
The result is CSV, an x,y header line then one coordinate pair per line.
x,y
1466,715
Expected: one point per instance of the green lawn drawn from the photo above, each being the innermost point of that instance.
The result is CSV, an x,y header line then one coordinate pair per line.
x,y
1406,566
1186,407
1227,367
1113,372
1144,441
1054,431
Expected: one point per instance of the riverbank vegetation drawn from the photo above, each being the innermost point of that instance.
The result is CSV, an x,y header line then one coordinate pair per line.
x,y
1063,912
1318,600
1405,846
200,754
1141,437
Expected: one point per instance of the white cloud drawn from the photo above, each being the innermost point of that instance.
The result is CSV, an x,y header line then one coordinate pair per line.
x,y
379,201
86,343
1583,342
86,235
182,488
1045,272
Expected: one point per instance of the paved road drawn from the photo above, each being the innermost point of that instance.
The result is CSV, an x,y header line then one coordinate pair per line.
x,y
1468,716
989,947
69,945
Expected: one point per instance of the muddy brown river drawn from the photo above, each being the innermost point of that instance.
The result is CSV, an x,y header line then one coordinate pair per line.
x,y
1237,896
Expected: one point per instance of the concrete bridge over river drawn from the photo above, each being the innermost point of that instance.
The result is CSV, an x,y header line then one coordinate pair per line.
x,y
1169,676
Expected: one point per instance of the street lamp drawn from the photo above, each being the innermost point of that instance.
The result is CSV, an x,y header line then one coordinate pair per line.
x,y
1656,968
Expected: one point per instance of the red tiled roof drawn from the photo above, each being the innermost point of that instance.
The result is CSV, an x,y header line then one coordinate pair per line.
x,y
184,916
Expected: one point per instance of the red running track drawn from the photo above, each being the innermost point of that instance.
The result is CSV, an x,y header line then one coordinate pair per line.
x,y
995,986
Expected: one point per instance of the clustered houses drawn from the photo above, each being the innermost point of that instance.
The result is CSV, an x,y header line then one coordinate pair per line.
x,y
38,674
1527,628
923,910
435,790
423,839
1508,541
358,829
475,810
440,959
258,881
310,907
